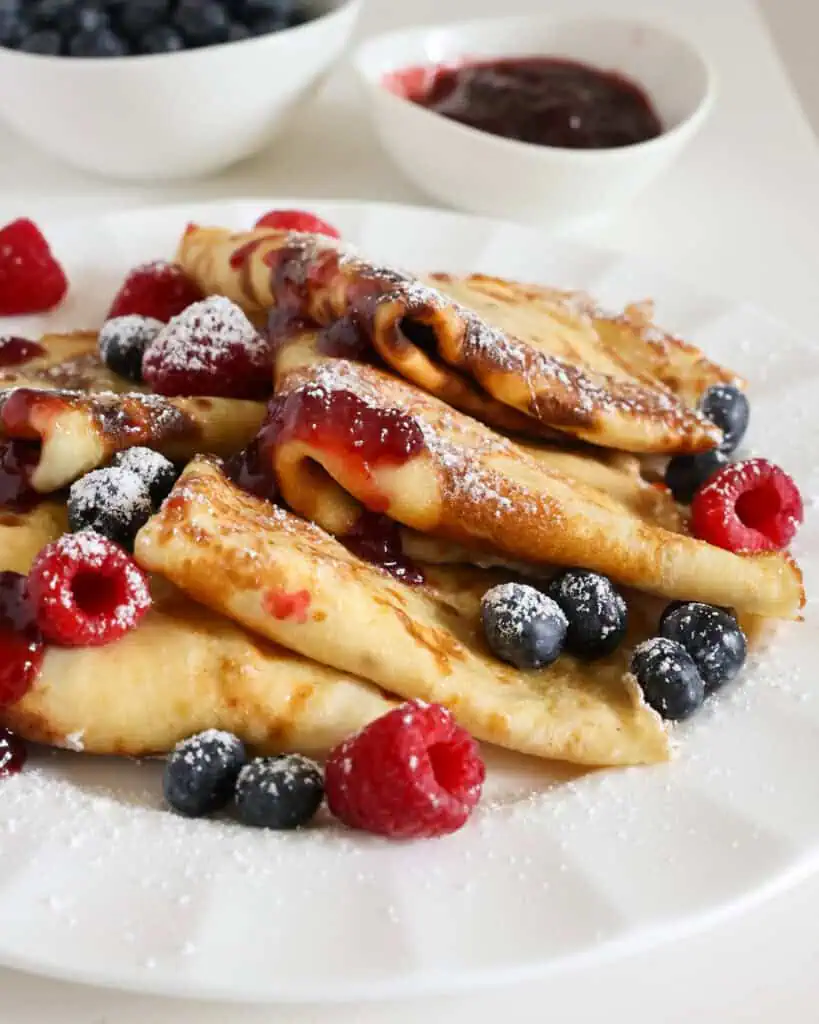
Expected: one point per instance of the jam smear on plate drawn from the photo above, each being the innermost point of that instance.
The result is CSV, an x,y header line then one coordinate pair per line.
x,y
546,101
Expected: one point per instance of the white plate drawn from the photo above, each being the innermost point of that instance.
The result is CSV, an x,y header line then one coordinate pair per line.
x,y
99,884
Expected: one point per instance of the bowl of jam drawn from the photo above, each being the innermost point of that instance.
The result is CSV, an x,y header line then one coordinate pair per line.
x,y
535,118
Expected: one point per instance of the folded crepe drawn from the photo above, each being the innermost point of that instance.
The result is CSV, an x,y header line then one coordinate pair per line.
x,y
182,670
627,343
528,357
343,436
79,413
288,580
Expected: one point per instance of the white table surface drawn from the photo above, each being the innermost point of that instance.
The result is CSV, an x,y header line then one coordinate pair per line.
x,y
739,215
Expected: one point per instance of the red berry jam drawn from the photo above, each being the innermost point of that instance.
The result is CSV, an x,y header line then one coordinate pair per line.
x,y
14,351
12,754
240,256
376,539
541,100
21,643
18,460
338,422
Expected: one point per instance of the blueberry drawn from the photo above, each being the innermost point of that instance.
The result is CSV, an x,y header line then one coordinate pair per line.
x,y
672,606
595,610
56,14
122,342
283,9
200,774
729,408
237,31
264,24
668,678
97,42
685,474
13,26
202,22
136,17
522,625
279,792
45,41
713,638
156,472
161,39
114,502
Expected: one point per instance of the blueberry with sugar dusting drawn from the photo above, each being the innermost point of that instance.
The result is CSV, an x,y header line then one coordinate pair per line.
x,y
595,610
201,772
685,474
113,502
156,472
122,343
668,678
727,407
522,625
281,792
672,606
713,638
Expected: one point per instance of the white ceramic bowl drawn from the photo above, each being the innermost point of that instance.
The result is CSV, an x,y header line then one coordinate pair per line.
x,y
487,174
173,115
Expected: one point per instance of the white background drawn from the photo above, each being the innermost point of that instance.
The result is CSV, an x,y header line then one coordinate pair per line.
x,y
738,215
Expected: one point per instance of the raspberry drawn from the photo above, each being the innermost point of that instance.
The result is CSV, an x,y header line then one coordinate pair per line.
x,y
411,773
297,220
159,290
31,280
748,506
86,591
210,349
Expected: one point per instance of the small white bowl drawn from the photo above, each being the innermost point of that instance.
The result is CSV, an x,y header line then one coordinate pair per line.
x,y
177,115
488,174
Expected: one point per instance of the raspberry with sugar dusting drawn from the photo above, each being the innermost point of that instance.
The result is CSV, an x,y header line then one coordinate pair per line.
x,y
31,279
86,591
159,290
748,506
410,774
297,220
210,349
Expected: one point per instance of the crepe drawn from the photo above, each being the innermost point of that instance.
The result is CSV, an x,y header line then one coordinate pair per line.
x,y
344,436
182,670
288,580
81,413
620,344
554,370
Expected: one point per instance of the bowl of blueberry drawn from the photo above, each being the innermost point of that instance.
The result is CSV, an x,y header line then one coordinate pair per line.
x,y
163,89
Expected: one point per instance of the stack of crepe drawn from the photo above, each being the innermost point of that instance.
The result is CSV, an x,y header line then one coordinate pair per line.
x,y
495,430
